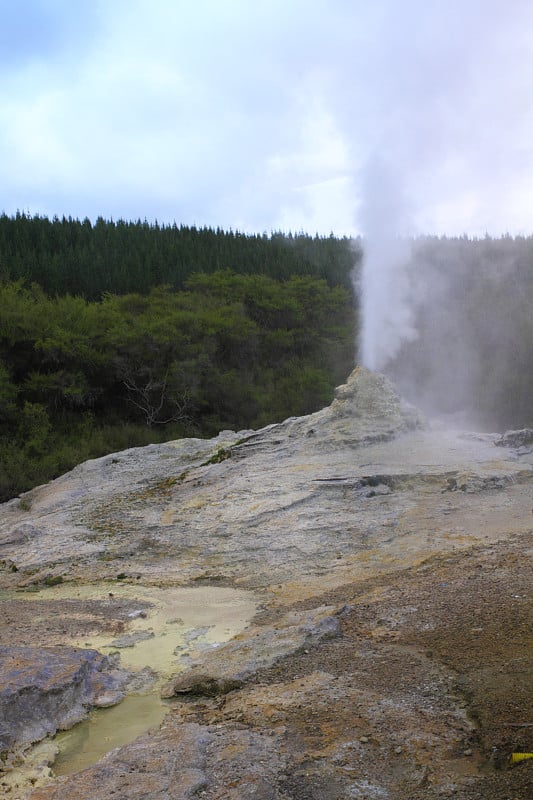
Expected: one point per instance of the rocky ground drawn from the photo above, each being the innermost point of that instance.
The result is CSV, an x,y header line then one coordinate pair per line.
x,y
391,562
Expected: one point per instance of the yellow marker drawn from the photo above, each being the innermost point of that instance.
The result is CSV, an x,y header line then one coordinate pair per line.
x,y
516,757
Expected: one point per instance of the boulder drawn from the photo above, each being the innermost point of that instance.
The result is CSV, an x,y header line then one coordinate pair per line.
x,y
46,689
520,438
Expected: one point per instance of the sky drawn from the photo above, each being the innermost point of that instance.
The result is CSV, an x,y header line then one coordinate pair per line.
x,y
303,115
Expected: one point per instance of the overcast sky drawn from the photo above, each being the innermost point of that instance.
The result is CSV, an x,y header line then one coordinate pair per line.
x,y
315,115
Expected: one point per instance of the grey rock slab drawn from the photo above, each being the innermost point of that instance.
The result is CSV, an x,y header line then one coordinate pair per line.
x,y
294,501
520,438
43,690
131,639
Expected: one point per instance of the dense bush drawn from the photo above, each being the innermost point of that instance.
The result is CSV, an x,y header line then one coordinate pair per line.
x,y
79,378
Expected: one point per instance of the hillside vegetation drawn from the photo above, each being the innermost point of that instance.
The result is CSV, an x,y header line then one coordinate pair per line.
x,y
118,334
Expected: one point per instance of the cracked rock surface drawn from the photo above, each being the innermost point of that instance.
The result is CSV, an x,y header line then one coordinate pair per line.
x,y
391,562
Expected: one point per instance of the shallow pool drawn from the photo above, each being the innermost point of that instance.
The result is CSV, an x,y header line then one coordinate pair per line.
x,y
180,624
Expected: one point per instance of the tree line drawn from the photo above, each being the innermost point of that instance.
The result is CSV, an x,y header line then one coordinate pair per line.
x,y
69,256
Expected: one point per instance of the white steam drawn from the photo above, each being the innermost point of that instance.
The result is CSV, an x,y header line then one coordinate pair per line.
x,y
386,288
387,314
447,315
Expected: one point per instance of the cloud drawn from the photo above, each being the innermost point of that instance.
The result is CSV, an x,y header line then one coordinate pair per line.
x,y
449,109
266,115
36,31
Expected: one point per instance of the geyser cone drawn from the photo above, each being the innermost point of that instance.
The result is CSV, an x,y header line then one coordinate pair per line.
x,y
367,408
369,395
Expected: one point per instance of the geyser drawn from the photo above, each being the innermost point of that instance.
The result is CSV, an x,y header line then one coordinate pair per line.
x,y
385,291
449,321
385,286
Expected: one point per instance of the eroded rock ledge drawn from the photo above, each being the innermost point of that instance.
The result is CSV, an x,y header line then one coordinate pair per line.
x,y
231,665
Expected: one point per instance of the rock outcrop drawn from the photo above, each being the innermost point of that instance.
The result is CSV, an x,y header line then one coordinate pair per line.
x,y
228,667
390,564
43,690
521,439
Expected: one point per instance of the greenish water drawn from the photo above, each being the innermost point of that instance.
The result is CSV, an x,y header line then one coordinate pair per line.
x,y
105,729
181,622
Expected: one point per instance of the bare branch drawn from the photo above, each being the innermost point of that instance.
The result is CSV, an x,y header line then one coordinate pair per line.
x,y
152,396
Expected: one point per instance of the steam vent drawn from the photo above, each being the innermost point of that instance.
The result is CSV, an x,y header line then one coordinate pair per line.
x,y
336,606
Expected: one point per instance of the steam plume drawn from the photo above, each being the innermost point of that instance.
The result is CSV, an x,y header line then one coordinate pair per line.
x,y
385,284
